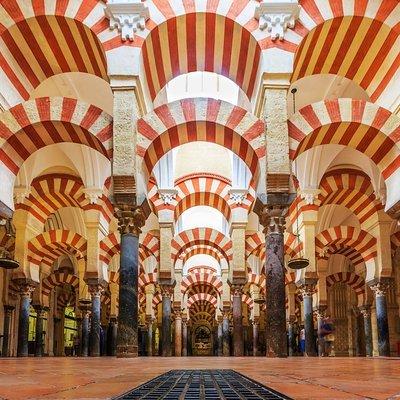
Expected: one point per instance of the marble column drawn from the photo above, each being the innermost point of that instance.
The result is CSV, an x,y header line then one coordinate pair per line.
x,y
79,329
225,334
273,220
130,220
292,336
320,311
220,336
380,289
85,332
167,292
307,291
359,333
26,290
95,290
178,333
237,320
8,310
184,337
149,338
113,332
40,313
256,326
366,313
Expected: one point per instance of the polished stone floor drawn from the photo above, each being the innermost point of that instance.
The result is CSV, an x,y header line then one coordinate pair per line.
x,y
102,378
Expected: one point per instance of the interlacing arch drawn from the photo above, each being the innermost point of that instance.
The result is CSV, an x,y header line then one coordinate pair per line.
x,y
363,126
356,282
147,279
49,193
197,249
350,38
200,119
73,37
201,236
37,123
357,245
201,277
49,246
58,279
206,297
180,27
66,299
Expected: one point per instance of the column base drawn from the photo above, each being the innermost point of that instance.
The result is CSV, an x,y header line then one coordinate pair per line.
x,y
127,351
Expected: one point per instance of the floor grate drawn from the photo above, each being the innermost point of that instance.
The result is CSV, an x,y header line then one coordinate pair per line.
x,y
220,384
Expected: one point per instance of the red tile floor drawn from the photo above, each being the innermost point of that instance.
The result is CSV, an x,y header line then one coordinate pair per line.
x,y
102,378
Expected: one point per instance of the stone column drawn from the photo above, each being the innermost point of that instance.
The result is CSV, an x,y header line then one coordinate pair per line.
x,y
40,312
256,326
380,290
113,332
78,314
149,339
85,331
220,335
366,313
178,333
307,291
130,220
167,292
273,219
320,311
237,320
184,337
225,333
26,288
8,309
291,336
359,333
95,290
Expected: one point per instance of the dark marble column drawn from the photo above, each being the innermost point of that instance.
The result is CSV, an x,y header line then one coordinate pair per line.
x,y
380,289
291,336
95,290
26,289
149,338
40,313
130,220
366,313
307,291
256,326
85,332
273,220
320,311
167,292
220,336
112,337
8,310
359,334
225,334
103,350
237,291
184,337
79,329
178,333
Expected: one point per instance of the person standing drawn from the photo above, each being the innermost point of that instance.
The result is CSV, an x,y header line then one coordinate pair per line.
x,y
302,340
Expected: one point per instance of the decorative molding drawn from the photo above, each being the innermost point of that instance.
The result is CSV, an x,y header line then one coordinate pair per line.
x,y
272,218
310,195
93,194
127,16
238,195
21,193
130,219
277,16
167,195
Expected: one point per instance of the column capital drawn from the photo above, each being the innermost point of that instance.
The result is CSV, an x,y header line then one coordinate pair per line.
x,y
236,289
320,311
167,290
307,286
25,286
365,311
130,219
96,287
272,218
380,286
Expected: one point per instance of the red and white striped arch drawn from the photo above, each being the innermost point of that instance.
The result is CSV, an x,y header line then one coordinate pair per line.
x,y
255,279
52,192
30,126
246,299
359,246
351,189
201,119
201,236
205,297
356,282
364,126
65,299
147,279
201,277
58,279
39,39
48,246
395,241
357,39
195,250
220,36
157,299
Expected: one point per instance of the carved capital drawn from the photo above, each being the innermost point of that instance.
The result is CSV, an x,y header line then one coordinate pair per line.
x,y
238,196
167,195
272,218
365,311
25,286
128,16
21,193
380,287
167,290
237,290
310,195
93,194
277,16
96,287
130,219
308,287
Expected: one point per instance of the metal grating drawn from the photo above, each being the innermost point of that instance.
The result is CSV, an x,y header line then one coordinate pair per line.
x,y
222,384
